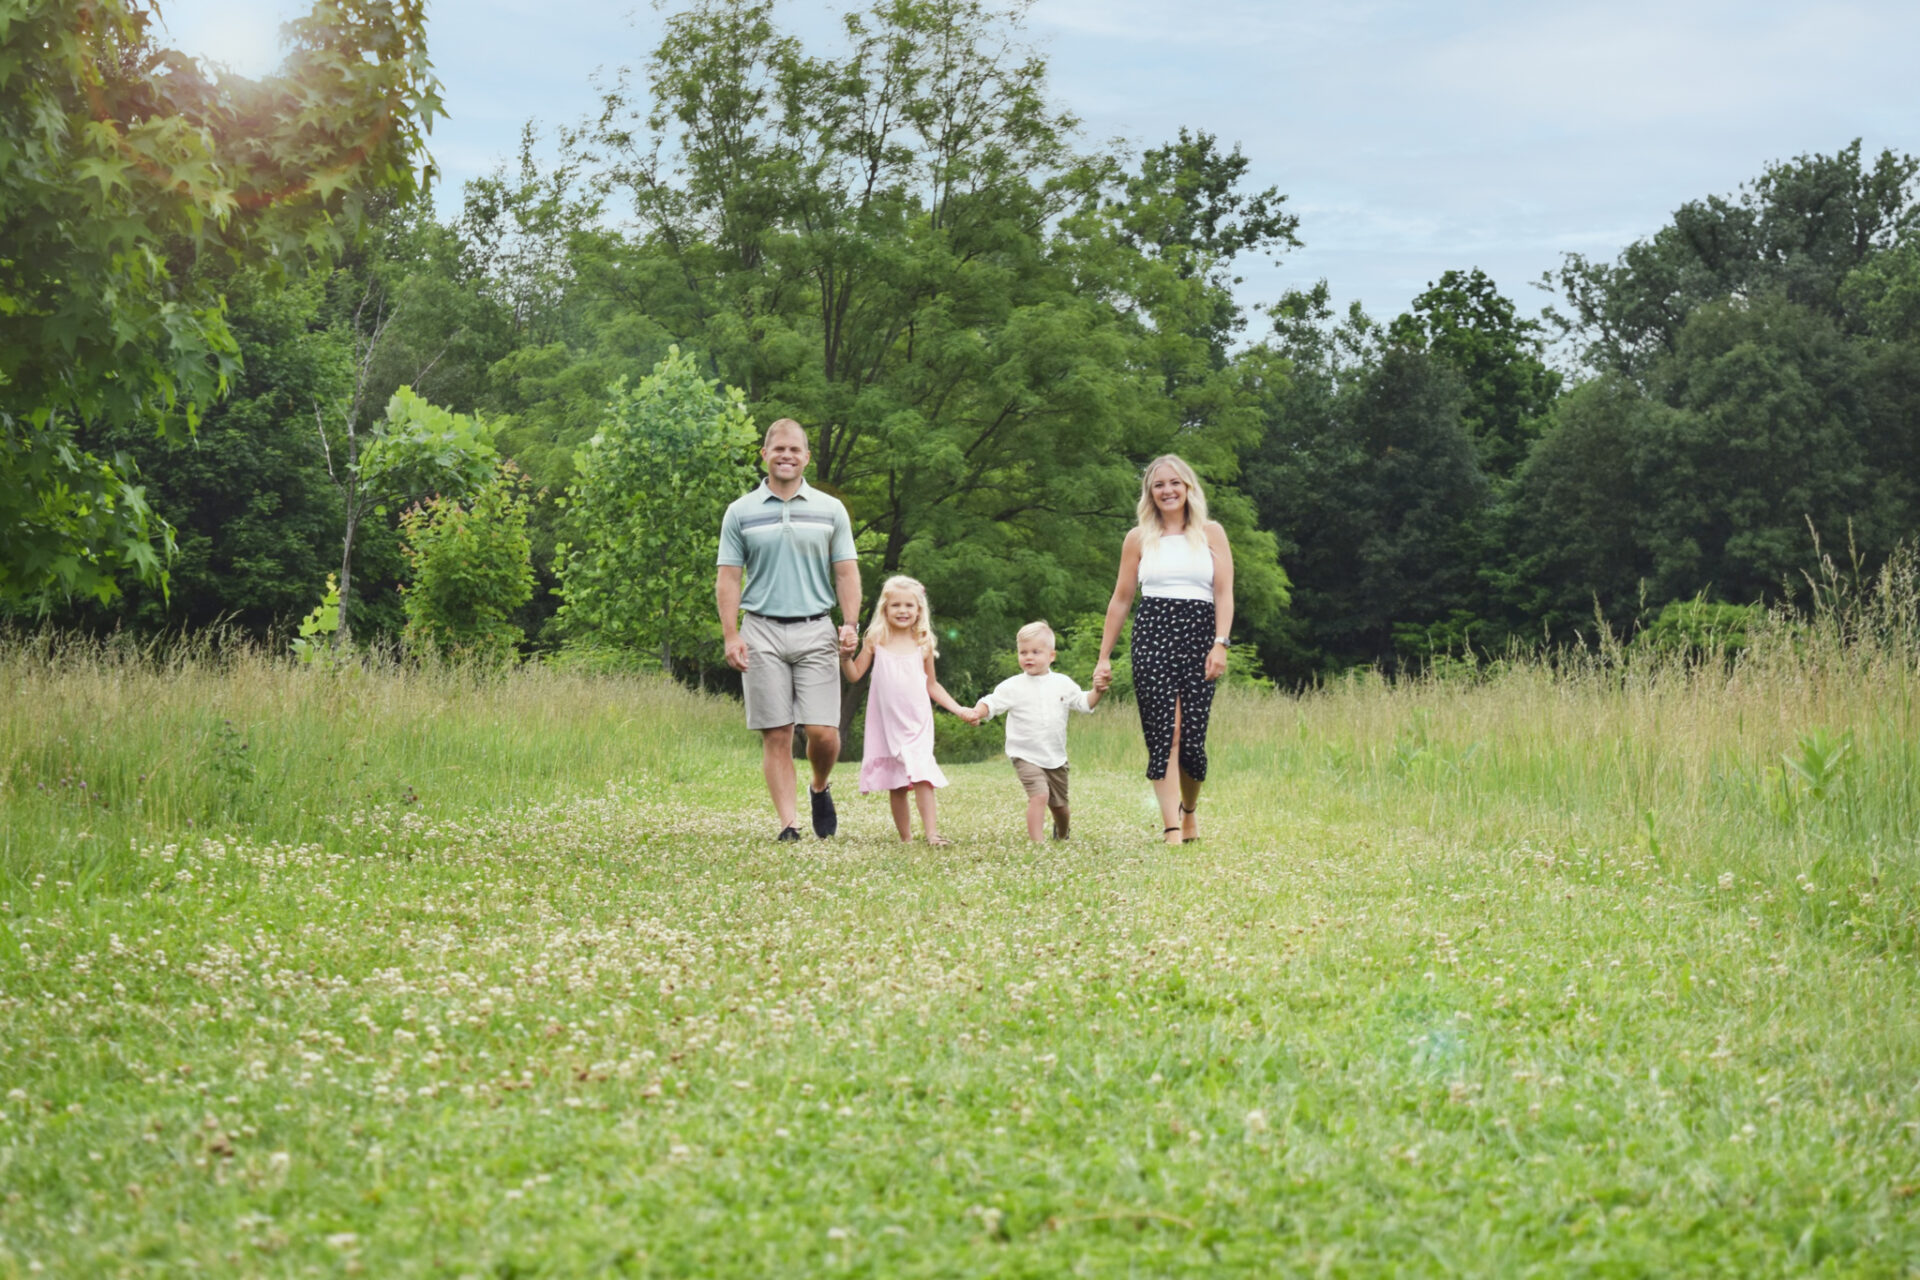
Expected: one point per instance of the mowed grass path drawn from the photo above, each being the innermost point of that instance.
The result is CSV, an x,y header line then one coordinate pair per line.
x,y
1439,992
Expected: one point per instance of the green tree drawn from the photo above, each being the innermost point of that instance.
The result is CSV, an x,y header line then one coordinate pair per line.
x,y
644,513
256,522
472,568
1578,510
417,448
1799,230
898,248
1463,321
1766,439
1759,376
1706,482
121,162
1369,479
1186,205
1883,299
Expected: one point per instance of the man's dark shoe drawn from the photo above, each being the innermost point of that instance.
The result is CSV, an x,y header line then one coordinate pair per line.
x,y
788,834
825,820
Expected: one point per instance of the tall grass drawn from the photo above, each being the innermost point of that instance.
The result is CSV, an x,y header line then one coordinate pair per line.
x,y
1798,755
1795,758
103,741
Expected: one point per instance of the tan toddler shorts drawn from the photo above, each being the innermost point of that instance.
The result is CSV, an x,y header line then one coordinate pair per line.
x,y
1051,783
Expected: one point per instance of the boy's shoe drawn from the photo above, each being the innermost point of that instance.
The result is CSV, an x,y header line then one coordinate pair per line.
x,y
825,820
788,834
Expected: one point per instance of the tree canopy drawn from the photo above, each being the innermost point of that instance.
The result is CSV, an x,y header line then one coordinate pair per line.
x,y
125,169
986,325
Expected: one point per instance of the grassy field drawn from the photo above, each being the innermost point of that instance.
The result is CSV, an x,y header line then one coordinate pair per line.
x,y
1605,969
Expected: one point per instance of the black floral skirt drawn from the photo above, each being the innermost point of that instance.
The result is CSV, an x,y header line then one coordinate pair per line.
x,y
1171,639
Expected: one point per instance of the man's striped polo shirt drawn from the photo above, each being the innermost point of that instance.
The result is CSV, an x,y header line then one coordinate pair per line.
x,y
787,548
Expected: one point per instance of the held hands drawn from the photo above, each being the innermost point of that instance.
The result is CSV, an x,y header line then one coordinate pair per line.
x,y
849,639
1103,674
737,653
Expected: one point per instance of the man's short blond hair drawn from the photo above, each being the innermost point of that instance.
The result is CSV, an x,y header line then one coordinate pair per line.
x,y
1035,631
781,424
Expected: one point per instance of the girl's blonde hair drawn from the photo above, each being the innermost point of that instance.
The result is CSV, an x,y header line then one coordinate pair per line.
x,y
1149,514
901,585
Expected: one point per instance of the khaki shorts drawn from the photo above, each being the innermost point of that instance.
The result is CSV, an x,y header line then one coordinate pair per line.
x,y
793,672
1051,783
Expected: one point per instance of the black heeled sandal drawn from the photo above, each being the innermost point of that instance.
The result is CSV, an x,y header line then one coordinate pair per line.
x,y
1186,839
1165,831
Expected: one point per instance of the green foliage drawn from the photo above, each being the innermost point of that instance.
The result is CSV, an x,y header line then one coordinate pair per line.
x,y
1369,478
644,512
1818,764
316,631
897,247
957,742
1576,510
1465,322
472,569
1797,231
255,521
1077,650
120,162
1701,628
1758,375
420,447
75,522
1185,207
1810,776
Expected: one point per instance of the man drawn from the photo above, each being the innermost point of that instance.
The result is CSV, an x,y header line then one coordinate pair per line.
x,y
795,545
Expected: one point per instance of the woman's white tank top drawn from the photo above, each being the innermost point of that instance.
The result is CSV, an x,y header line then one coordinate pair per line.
x,y
1175,569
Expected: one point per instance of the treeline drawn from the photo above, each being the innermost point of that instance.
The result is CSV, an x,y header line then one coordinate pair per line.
x,y
988,329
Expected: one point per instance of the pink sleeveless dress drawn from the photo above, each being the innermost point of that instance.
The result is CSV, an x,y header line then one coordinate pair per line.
x,y
899,741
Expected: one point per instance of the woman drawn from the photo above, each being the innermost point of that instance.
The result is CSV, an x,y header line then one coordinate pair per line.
x,y
1184,568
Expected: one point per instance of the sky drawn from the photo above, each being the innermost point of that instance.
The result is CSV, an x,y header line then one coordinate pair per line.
x,y
1409,136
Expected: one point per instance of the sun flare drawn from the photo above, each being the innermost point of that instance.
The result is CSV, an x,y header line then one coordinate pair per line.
x,y
241,36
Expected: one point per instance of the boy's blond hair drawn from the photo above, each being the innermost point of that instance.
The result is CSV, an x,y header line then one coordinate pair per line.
x,y
1033,631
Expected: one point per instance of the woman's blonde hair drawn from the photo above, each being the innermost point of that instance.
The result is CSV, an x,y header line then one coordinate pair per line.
x,y
901,585
1149,514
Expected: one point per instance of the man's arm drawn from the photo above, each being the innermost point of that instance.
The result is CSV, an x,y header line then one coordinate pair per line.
x,y
726,594
846,585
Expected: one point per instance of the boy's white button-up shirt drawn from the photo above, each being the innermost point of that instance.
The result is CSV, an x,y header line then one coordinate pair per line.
x,y
1036,709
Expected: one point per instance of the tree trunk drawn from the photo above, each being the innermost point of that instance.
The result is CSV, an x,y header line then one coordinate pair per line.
x,y
850,698
344,636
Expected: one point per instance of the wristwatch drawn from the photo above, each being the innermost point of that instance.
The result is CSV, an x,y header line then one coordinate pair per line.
x,y
1223,640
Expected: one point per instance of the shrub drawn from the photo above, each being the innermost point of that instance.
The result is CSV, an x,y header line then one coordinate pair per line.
x,y
472,567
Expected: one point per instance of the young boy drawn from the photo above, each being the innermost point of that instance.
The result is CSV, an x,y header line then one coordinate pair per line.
x,y
1036,705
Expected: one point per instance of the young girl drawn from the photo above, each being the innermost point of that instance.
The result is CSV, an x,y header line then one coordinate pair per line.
x,y
898,757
